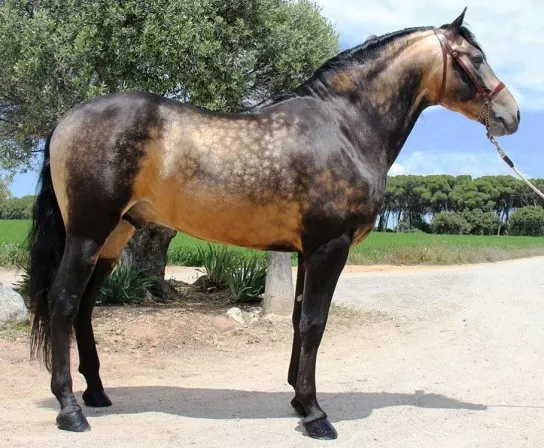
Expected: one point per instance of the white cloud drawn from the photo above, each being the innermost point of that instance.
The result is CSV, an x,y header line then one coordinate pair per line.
x,y
455,163
511,33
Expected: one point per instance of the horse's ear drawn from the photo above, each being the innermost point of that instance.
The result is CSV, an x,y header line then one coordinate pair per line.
x,y
455,26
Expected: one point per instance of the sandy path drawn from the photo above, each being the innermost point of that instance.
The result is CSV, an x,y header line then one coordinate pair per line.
x,y
452,358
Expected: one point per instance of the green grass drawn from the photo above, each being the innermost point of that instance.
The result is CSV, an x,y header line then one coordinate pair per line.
x,y
409,248
187,251
422,248
14,231
13,235
378,248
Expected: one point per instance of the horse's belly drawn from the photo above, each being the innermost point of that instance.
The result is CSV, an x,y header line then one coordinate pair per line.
x,y
225,219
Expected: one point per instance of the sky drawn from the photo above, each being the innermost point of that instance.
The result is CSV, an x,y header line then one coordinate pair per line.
x,y
444,142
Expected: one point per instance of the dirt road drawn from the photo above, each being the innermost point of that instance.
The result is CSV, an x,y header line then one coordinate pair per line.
x,y
449,357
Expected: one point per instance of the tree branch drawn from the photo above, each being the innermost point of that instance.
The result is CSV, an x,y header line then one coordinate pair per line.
x,y
10,122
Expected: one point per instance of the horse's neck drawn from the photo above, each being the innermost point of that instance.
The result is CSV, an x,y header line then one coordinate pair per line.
x,y
381,100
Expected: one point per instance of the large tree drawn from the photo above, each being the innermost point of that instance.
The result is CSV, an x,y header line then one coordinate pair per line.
x,y
226,55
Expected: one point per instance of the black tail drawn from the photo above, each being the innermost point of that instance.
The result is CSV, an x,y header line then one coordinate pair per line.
x,y
46,244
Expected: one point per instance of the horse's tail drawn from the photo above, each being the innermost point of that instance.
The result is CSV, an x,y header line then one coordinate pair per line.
x,y
46,245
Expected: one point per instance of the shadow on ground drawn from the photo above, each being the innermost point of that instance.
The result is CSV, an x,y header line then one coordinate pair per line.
x,y
241,404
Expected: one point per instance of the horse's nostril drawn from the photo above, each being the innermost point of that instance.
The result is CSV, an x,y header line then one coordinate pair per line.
x,y
519,118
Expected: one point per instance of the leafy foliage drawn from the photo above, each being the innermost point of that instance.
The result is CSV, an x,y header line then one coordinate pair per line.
x,y
21,286
451,223
226,56
482,223
485,202
17,208
216,260
126,286
243,273
527,221
12,254
247,278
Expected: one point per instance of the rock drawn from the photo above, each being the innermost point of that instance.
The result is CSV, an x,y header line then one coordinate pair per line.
x,y
251,316
12,306
236,314
246,317
223,323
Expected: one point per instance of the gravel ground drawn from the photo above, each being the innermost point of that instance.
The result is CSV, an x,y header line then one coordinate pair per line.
x,y
441,357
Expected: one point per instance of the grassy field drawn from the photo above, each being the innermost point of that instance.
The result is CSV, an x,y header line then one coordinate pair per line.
x,y
378,248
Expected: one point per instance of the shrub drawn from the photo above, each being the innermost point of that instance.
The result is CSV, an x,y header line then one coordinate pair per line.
x,y
18,208
246,279
22,285
126,285
403,227
527,221
12,254
482,223
243,273
451,223
216,260
420,226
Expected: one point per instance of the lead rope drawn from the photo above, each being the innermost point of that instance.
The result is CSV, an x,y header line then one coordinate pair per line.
x,y
502,154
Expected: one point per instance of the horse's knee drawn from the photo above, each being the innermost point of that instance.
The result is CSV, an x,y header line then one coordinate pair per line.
x,y
64,307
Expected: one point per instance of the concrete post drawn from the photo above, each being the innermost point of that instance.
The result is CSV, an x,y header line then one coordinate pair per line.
x,y
279,293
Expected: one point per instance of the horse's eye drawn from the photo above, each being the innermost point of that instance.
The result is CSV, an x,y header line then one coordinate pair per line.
x,y
478,59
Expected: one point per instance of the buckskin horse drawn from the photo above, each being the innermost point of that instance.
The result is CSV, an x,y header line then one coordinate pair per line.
x,y
306,174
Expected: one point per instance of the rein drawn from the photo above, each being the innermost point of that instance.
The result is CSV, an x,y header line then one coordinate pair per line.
x,y
509,162
483,116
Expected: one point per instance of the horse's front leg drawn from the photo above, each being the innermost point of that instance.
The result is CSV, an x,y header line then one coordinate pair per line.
x,y
295,351
323,267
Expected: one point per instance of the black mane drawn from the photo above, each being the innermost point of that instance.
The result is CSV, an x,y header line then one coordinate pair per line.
x,y
362,53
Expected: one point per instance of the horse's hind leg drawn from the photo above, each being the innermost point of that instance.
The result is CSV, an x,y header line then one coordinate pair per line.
x,y
295,352
323,267
89,364
74,272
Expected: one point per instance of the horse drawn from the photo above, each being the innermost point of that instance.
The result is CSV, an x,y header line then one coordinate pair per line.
x,y
306,173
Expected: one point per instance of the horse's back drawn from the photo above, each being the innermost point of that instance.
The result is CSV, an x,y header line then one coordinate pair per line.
x,y
216,176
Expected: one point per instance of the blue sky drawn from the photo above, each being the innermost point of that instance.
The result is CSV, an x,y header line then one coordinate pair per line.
x,y
444,142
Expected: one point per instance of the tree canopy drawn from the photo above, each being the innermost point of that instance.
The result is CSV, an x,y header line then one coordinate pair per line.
x,y
223,55
484,203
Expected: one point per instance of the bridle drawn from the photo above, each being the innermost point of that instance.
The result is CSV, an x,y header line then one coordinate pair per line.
x,y
488,95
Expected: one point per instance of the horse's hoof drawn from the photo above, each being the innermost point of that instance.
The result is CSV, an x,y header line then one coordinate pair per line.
x,y
320,429
73,420
297,406
96,399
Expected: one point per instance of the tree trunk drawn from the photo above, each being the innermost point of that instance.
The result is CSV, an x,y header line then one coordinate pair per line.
x,y
147,251
278,294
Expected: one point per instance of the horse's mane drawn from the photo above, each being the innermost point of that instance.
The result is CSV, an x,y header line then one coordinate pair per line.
x,y
362,53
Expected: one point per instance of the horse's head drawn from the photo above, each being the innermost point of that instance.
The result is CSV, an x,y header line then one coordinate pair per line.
x,y
467,84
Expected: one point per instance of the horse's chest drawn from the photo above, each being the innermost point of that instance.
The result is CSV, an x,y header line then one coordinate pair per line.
x,y
356,199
